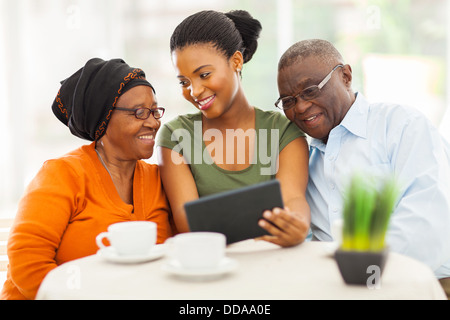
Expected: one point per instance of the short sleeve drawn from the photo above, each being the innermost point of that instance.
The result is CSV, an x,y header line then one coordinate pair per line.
x,y
179,134
290,133
164,137
287,130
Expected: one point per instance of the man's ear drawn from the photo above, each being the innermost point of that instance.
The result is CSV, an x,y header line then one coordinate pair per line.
x,y
347,75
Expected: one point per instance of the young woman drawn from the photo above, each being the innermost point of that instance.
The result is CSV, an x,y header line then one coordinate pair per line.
x,y
229,143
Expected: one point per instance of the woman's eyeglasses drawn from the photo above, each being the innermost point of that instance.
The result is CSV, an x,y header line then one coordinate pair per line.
x,y
144,113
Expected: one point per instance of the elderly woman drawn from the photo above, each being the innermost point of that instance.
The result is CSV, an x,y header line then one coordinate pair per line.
x,y
74,198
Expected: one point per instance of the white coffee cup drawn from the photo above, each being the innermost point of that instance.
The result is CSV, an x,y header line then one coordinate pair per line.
x,y
130,237
198,250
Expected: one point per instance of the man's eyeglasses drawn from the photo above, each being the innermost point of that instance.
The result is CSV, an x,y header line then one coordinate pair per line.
x,y
144,113
307,94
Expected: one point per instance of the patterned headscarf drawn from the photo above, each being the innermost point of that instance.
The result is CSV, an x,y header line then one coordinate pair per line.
x,y
86,99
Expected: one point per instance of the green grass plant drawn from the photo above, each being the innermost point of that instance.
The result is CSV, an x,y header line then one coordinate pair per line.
x,y
366,214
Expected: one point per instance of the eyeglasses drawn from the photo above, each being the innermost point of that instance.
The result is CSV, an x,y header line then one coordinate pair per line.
x,y
307,94
144,113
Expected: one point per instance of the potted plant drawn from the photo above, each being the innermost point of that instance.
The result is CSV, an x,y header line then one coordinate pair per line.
x,y
366,214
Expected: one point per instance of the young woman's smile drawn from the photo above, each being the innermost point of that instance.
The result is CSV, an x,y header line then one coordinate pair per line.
x,y
206,103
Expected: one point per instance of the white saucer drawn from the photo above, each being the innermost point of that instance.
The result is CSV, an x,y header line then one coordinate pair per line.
x,y
110,254
225,266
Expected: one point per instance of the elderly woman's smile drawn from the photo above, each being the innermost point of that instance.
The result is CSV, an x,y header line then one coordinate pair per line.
x,y
147,138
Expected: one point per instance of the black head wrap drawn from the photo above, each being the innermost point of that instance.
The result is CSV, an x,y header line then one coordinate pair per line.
x,y
86,99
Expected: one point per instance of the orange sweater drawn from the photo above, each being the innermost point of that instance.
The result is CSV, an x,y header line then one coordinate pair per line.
x,y
69,202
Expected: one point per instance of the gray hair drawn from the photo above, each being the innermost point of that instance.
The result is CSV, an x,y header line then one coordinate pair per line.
x,y
323,50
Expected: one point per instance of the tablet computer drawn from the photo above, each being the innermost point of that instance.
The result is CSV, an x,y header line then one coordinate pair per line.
x,y
235,213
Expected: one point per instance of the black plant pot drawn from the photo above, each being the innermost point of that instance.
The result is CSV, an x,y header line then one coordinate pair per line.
x,y
357,266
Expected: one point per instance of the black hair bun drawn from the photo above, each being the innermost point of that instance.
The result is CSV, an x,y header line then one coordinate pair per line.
x,y
249,28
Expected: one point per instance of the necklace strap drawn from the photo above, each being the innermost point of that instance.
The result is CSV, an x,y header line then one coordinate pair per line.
x,y
103,162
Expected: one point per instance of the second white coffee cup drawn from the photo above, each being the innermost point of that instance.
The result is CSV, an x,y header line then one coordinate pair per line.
x,y
198,250
130,237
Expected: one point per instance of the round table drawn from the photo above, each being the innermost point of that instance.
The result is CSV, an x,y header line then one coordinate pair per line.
x,y
264,272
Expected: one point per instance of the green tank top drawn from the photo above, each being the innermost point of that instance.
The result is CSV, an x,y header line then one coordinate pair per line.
x,y
273,132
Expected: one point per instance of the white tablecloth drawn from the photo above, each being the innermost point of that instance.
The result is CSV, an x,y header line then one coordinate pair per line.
x,y
264,271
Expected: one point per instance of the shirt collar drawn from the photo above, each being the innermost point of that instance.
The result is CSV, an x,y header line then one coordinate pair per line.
x,y
355,121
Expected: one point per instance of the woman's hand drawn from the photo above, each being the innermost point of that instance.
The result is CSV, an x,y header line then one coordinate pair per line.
x,y
286,228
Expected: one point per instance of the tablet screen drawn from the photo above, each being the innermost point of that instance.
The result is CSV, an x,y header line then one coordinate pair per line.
x,y
235,213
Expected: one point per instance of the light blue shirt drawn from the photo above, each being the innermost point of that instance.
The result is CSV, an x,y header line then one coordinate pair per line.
x,y
384,139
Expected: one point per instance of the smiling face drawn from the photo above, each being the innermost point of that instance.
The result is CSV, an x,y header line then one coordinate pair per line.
x,y
129,137
208,79
319,116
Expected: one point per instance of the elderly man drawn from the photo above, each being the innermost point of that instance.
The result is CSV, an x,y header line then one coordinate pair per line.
x,y
350,134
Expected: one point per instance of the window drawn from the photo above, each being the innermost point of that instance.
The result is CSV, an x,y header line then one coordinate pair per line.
x,y
44,41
